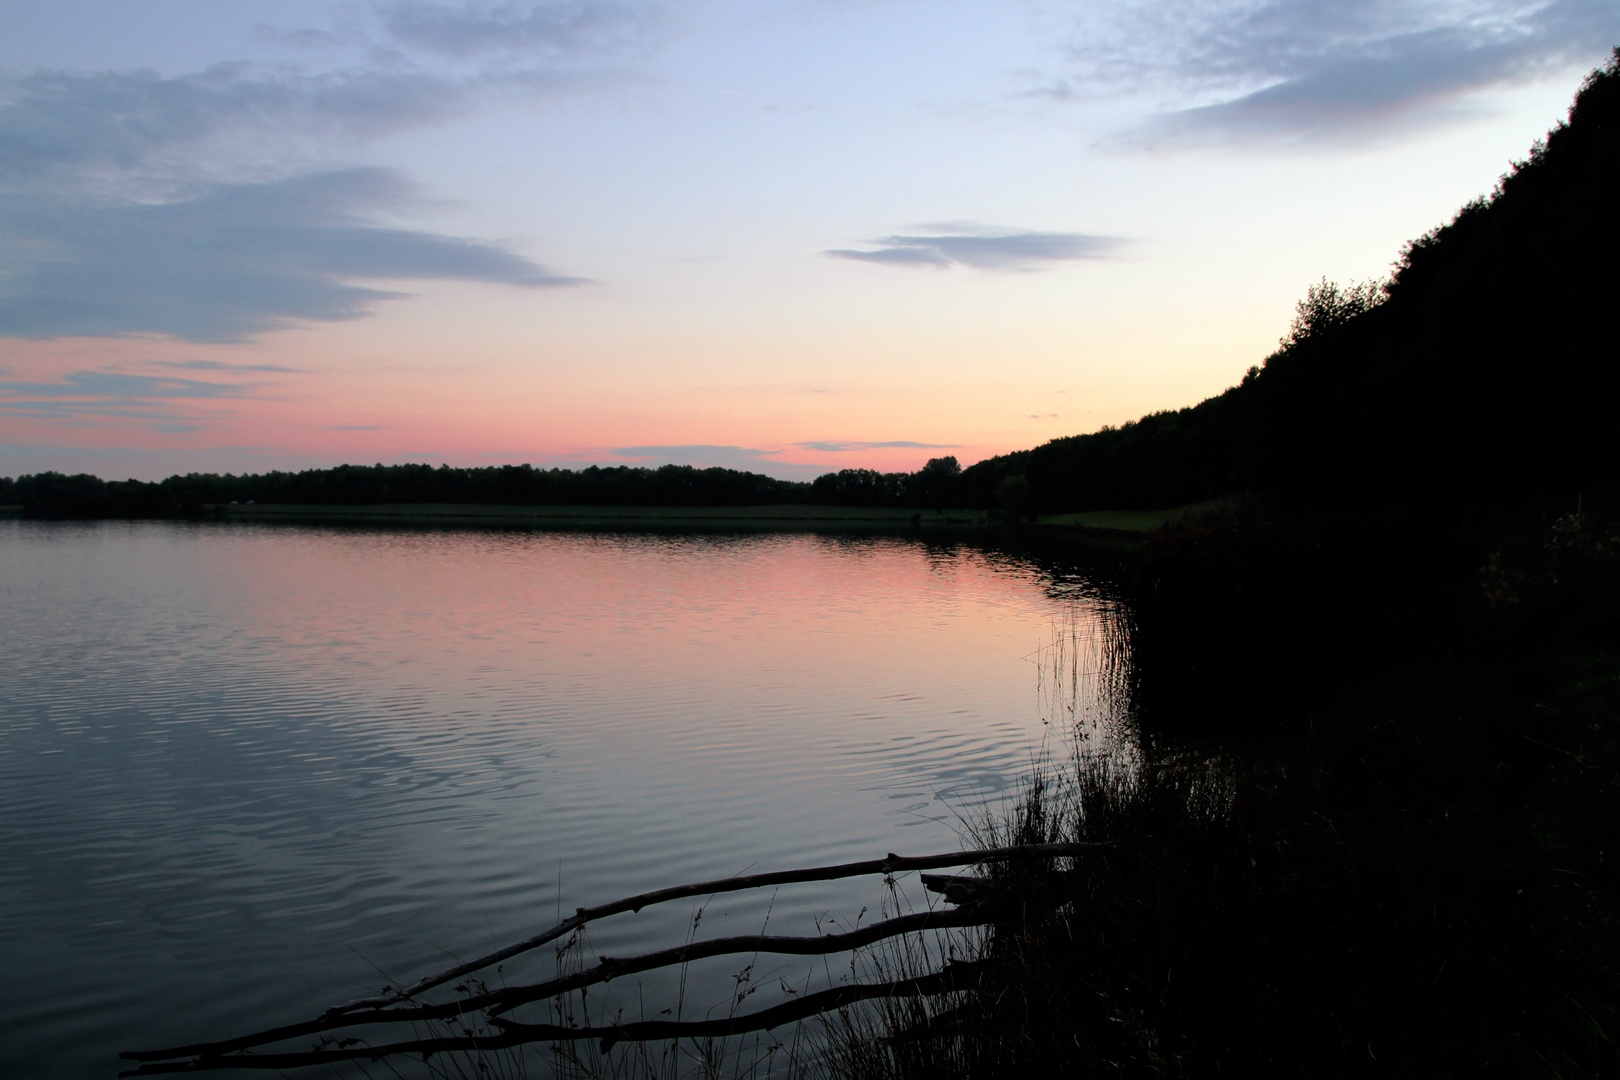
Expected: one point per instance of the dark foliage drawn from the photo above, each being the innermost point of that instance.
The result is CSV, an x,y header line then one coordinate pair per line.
x,y
1483,373
1375,826
1167,459
1401,438
934,486
525,485
1241,614
1421,883
82,496
55,495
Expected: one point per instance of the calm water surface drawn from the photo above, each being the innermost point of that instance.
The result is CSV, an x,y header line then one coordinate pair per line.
x,y
247,772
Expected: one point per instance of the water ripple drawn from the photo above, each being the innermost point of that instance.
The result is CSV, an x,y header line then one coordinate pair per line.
x,y
246,771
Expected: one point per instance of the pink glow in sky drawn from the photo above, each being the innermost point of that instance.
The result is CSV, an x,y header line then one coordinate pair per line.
x,y
793,237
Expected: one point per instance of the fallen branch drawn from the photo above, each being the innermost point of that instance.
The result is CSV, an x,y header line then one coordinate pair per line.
x,y
955,977
494,1002
386,1008
890,864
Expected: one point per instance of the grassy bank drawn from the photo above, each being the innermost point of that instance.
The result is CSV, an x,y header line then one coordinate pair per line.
x,y
1418,878
1125,521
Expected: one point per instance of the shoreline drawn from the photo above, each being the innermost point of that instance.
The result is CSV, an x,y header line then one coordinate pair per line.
x,y
1126,525
786,516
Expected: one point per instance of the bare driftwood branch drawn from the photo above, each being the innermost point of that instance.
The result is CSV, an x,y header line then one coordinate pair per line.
x,y
387,1008
987,893
890,864
505,999
954,977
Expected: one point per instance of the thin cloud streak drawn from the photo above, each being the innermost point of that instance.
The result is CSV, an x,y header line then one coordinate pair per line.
x,y
220,365
85,396
983,249
140,134
204,206
117,385
237,261
560,31
857,447
1306,71
686,454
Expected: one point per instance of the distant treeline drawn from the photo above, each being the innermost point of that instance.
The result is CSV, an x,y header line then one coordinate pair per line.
x,y
53,494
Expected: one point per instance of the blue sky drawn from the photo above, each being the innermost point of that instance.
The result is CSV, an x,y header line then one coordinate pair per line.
x,y
790,236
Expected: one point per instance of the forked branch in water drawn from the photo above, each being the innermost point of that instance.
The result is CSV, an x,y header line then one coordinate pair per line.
x,y
890,864
392,1008
507,998
954,977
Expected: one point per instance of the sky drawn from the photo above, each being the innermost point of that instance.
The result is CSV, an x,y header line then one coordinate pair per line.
x,y
790,236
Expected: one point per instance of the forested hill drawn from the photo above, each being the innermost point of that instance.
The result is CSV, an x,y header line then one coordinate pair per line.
x,y
1487,368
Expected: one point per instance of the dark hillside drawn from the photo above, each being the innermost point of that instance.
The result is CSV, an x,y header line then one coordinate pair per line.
x,y
1492,370
1486,370
1374,826
1165,459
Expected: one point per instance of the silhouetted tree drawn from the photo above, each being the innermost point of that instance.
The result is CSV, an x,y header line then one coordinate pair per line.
x,y
935,484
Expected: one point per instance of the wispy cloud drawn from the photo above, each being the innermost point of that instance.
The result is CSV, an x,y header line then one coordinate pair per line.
x,y
117,385
103,395
211,206
557,30
960,244
141,135
855,447
1304,70
701,454
220,365
238,260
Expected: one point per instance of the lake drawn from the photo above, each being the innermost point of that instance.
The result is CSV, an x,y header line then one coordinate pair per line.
x,y
247,772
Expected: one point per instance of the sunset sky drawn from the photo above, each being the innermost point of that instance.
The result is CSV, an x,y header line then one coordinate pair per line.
x,y
790,236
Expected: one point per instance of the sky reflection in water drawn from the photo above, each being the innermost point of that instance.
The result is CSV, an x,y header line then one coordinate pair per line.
x,y
247,772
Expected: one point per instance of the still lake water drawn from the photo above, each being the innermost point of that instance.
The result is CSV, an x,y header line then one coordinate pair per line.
x,y
247,772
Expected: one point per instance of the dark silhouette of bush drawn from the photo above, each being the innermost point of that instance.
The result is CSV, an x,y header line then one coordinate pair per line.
x,y
1013,496
1419,883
